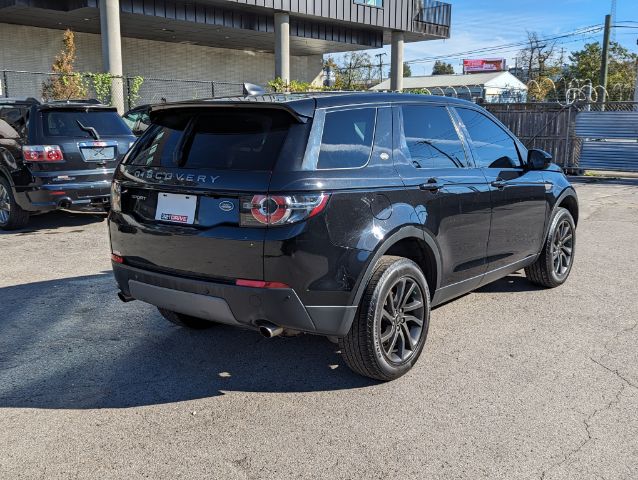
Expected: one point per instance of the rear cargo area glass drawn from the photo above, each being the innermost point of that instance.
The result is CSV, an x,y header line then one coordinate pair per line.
x,y
64,123
226,139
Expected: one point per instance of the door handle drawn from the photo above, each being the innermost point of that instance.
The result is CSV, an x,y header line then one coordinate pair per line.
x,y
432,185
500,184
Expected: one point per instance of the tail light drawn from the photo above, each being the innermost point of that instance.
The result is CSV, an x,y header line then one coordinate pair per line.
x,y
271,210
42,153
116,196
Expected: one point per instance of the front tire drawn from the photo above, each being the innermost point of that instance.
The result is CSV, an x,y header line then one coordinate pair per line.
x,y
391,326
554,264
12,216
185,320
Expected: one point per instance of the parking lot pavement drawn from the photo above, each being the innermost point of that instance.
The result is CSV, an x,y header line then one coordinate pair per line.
x,y
515,382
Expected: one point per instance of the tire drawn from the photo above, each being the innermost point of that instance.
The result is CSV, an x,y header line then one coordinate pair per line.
x,y
12,216
368,348
185,320
554,264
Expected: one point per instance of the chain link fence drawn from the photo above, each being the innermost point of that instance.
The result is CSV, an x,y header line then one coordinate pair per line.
x,y
133,91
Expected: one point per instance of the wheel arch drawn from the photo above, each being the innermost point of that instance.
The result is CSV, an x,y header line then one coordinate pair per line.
x,y
410,242
569,201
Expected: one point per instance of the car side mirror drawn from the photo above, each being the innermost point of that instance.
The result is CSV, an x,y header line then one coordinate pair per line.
x,y
538,159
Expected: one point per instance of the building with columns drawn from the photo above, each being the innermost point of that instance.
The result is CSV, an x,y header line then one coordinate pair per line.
x,y
212,40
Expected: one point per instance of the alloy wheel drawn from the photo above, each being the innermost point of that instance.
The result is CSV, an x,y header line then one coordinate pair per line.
x,y
402,320
562,248
5,205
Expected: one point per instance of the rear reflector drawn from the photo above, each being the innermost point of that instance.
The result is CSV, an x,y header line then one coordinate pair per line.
x,y
117,258
42,153
260,284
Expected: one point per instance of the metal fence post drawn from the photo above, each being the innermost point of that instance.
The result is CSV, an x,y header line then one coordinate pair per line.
x,y
6,84
128,93
568,138
212,89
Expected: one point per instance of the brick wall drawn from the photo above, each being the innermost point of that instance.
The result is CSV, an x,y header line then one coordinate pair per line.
x,y
34,49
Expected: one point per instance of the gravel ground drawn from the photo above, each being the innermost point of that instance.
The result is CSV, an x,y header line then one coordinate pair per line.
x,y
515,382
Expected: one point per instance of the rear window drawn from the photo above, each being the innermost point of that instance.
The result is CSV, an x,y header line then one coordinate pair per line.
x,y
64,123
347,138
238,139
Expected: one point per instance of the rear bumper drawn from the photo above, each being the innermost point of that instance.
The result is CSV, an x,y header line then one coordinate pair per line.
x,y
74,196
230,304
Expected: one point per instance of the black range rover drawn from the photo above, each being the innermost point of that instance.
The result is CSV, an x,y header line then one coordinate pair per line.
x,y
344,215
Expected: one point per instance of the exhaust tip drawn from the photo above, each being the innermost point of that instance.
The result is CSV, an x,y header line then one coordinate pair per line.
x,y
64,202
270,330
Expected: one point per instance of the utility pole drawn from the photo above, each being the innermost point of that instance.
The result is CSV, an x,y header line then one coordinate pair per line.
x,y
380,57
605,59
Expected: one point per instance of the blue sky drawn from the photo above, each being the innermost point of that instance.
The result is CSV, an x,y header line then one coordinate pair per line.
x,y
478,24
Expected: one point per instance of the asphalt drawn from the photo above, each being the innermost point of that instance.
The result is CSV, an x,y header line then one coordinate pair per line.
x,y
515,382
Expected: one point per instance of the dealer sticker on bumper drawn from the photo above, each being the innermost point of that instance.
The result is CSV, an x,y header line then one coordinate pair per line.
x,y
176,208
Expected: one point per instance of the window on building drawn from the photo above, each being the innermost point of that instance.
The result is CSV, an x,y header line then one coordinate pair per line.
x,y
347,138
492,146
371,3
430,139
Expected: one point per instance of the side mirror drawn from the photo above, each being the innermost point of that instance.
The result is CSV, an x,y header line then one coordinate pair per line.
x,y
538,159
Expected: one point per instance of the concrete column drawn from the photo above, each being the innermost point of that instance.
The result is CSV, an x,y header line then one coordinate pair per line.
x,y
112,49
396,69
282,46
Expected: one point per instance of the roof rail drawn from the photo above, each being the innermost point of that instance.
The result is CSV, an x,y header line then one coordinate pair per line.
x,y
28,100
90,101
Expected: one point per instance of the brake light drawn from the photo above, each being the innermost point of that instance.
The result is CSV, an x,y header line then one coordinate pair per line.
x,y
272,210
117,258
42,153
259,284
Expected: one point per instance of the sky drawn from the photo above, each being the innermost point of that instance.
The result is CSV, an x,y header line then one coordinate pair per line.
x,y
480,23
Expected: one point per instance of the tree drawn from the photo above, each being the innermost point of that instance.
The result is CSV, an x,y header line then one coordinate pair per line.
x,y
353,71
442,68
407,71
66,83
539,58
586,65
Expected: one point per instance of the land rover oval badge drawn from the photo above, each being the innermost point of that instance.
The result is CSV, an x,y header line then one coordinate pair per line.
x,y
226,206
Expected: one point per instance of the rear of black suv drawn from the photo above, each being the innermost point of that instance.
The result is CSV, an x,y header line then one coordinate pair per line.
x,y
61,155
193,220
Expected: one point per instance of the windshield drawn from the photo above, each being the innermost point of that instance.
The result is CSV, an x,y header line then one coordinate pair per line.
x,y
64,123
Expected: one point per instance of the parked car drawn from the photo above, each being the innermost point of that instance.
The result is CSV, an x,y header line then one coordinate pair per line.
x,y
343,215
57,155
138,119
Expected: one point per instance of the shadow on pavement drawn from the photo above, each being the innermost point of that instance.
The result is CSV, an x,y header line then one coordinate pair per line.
x,y
72,344
57,219
515,282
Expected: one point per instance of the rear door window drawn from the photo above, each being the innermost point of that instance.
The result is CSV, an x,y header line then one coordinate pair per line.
x,y
347,138
64,123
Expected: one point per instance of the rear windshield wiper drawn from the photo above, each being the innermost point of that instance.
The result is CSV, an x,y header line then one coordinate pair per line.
x,y
90,130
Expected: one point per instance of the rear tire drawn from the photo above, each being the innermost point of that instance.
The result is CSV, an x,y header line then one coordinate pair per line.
x,y
554,264
185,320
391,325
12,216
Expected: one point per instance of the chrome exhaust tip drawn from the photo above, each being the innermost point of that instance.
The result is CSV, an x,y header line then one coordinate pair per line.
x,y
270,330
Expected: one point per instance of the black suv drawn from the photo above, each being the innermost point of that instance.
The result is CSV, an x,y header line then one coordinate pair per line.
x,y
343,215
57,155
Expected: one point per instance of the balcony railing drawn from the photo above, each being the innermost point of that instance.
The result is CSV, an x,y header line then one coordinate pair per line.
x,y
433,12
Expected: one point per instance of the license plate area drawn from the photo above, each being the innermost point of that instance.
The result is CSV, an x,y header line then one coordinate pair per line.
x,y
175,208
98,151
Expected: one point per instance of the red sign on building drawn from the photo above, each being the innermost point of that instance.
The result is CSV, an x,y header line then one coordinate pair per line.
x,y
484,65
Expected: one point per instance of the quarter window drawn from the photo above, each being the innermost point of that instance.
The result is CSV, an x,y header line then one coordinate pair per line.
x,y
347,138
430,139
492,146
